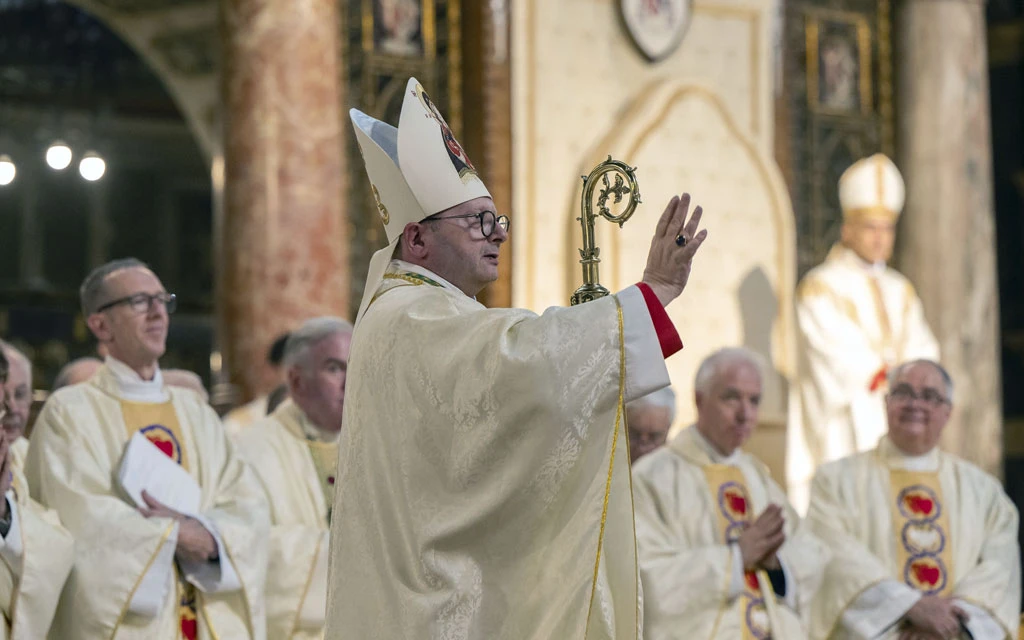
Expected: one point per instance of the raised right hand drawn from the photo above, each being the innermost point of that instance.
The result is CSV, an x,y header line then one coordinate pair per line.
x,y
668,264
762,539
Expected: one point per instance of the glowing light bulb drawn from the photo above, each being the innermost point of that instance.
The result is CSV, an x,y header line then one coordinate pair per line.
x,y
92,167
58,156
7,170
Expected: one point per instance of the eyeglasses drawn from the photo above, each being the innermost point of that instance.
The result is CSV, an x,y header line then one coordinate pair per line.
x,y
905,394
488,220
143,302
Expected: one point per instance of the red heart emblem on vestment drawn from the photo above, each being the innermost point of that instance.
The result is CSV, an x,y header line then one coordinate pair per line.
x,y
737,503
165,446
921,505
926,574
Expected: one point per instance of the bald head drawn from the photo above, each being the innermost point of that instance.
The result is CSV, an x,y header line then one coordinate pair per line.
x,y
186,380
76,371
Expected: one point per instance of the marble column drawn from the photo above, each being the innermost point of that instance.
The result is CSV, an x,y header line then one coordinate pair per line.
x,y
284,233
946,235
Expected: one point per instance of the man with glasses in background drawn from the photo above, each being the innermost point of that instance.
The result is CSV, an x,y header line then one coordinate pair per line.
x,y
147,570
924,544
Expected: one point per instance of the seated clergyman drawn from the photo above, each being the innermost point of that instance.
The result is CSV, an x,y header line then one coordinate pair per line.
x,y
649,419
924,543
714,531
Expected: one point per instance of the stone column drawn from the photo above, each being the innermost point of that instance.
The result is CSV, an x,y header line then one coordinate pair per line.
x,y
284,232
946,236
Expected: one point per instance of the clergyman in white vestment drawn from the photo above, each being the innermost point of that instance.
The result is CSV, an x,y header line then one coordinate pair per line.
x,y
147,571
924,543
856,317
649,420
36,552
294,454
483,480
711,524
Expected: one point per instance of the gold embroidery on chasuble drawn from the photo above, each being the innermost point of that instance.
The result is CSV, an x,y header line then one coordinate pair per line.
x,y
924,559
158,422
325,461
734,514
409,278
888,345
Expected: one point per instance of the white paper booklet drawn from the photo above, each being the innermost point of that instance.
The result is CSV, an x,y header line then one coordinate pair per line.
x,y
144,466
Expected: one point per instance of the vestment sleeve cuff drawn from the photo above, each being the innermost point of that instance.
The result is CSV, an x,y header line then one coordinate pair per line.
x,y
668,337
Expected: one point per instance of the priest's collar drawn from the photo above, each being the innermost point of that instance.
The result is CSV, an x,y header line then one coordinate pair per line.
x,y
295,422
895,458
716,456
314,433
130,386
846,254
401,265
692,445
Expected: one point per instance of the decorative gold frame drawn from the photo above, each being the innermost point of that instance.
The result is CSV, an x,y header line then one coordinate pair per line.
x,y
860,23
428,32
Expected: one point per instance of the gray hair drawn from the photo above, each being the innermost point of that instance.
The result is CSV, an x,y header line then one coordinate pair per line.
x,y
312,331
900,369
713,365
11,350
662,398
93,287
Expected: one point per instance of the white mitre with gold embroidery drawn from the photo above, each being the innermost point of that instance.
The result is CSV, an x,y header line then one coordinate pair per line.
x,y
415,171
872,188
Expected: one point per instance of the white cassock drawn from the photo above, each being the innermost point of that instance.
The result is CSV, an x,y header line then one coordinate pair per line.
x,y
855,320
900,527
240,418
36,557
295,467
126,582
689,500
480,450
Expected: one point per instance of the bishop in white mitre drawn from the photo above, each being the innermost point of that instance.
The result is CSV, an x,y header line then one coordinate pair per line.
x,y
294,455
36,552
722,554
147,571
483,484
856,317
924,544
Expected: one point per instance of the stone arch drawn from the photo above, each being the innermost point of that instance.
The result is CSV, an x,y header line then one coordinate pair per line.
x,y
179,41
681,136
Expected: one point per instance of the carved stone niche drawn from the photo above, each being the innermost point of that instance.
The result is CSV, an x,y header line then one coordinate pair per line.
x,y
681,136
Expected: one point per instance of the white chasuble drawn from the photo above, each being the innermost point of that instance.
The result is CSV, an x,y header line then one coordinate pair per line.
x,y
691,502
902,527
855,320
483,480
36,557
297,476
72,465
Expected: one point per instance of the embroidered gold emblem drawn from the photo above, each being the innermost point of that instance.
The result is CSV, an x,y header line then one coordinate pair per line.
x,y
384,215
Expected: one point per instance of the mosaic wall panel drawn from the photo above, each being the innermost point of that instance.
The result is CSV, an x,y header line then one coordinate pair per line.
x,y
838,107
384,42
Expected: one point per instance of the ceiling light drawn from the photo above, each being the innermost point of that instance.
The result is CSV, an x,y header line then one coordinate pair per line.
x,y
92,167
7,170
58,156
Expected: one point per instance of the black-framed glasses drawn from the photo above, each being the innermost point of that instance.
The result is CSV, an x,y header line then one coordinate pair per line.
x,y
931,397
488,220
142,302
